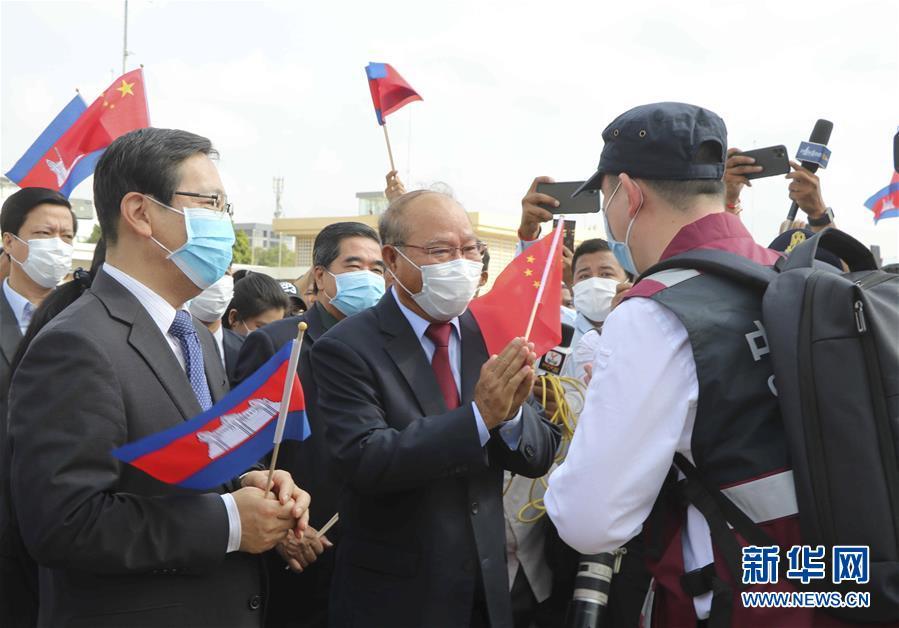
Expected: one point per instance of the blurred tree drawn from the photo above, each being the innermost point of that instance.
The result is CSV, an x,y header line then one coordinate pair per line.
x,y
241,249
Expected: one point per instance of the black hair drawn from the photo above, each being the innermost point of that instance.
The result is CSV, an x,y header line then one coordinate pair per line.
x,y
146,161
254,294
486,260
239,274
593,245
326,247
681,193
58,300
19,204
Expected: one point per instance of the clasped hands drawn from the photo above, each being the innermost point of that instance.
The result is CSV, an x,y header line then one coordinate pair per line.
x,y
505,382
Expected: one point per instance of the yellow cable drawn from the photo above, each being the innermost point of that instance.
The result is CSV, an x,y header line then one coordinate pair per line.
x,y
565,418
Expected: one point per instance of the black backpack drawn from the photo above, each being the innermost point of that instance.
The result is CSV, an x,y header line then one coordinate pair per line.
x,y
834,343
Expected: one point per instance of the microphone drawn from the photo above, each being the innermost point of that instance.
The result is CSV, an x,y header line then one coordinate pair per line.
x,y
820,135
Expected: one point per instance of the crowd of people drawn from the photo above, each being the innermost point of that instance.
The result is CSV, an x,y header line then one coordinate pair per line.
x,y
463,499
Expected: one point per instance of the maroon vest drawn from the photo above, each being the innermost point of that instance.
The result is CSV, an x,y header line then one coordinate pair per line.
x,y
738,442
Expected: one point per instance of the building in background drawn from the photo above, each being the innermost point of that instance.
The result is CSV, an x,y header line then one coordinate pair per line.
x,y
498,230
263,237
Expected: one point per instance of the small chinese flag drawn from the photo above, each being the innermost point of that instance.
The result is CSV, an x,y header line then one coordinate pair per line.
x,y
69,149
504,312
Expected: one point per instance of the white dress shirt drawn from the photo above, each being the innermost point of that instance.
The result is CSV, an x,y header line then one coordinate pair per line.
x,y
219,335
21,307
511,429
640,410
163,314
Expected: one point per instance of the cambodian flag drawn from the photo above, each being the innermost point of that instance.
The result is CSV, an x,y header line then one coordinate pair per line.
x,y
885,204
229,438
68,150
389,91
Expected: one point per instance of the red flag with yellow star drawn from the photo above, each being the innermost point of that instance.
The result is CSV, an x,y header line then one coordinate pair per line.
x,y
70,156
504,312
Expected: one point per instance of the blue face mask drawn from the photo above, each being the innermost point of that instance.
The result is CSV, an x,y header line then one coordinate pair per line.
x,y
621,250
357,291
205,256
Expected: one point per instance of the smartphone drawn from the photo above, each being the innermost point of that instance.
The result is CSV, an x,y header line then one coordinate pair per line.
x,y
773,159
567,233
587,202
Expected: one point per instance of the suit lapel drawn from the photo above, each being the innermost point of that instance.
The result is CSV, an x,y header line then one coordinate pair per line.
x,y
10,334
212,363
149,342
474,354
405,350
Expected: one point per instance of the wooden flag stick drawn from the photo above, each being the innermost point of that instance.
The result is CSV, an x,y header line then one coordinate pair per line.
x,y
328,526
389,150
550,259
285,399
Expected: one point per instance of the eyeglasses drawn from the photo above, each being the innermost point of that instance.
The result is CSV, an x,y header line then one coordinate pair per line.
x,y
219,202
446,253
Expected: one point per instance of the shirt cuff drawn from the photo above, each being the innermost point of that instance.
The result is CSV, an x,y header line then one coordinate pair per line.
x,y
483,432
511,431
234,531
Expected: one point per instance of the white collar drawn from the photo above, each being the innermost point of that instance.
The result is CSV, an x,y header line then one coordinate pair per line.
x,y
160,310
17,303
419,325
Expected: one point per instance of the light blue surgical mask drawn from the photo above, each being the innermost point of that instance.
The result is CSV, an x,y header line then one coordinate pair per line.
x,y
356,291
205,256
621,250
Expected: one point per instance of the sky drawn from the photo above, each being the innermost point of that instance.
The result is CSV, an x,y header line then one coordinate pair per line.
x,y
512,90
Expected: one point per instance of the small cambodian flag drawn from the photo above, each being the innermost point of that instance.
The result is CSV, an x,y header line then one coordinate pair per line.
x,y
885,204
218,445
389,90
68,150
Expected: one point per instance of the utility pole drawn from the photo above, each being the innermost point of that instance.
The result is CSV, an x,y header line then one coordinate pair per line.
x,y
277,188
125,41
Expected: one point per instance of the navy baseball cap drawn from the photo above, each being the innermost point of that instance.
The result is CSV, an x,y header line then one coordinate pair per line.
x,y
661,141
790,239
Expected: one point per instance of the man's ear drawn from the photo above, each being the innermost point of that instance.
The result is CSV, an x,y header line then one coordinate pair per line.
x,y
318,273
134,214
388,253
7,241
634,194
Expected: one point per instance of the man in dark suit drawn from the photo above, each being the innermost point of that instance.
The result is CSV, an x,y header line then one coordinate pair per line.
x,y
421,425
115,546
341,251
27,215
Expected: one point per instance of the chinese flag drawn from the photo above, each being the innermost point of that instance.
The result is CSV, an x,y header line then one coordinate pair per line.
x,y
119,109
504,312
389,90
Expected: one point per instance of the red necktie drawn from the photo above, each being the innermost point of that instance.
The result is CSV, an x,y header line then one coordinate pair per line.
x,y
439,334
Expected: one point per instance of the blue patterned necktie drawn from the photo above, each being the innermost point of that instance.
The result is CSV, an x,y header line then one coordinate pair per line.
x,y
183,329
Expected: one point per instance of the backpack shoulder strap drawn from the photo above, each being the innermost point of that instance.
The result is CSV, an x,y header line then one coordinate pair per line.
x,y
721,263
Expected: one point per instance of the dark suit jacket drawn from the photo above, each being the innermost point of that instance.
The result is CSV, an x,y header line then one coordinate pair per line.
x,y
422,514
231,343
307,461
117,547
18,574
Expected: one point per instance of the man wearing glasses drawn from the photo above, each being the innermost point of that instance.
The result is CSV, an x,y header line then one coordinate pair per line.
x,y
115,546
421,425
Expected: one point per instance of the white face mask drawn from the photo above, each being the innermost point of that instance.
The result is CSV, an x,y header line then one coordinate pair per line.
x,y
49,260
593,297
210,305
447,288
